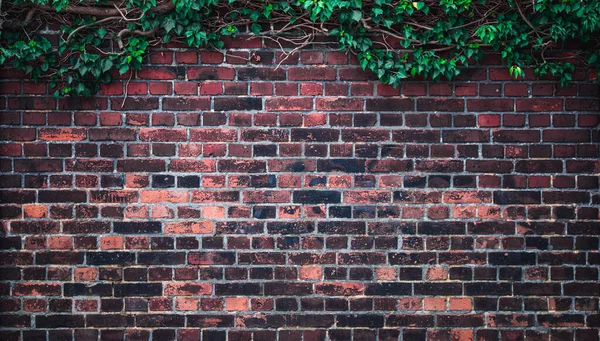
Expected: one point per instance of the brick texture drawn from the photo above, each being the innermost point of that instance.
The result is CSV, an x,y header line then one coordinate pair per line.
x,y
225,200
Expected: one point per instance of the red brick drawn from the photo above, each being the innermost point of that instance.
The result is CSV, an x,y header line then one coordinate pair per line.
x,y
289,104
186,57
227,196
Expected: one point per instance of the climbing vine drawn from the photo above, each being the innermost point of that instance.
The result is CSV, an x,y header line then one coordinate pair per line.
x,y
78,45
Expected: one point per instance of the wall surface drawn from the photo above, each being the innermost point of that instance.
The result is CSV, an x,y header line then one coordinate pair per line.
x,y
227,199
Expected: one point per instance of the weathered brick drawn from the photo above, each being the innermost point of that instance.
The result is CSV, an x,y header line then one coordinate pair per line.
x,y
238,195
186,104
440,104
104,258
37,289
290,227
517,197
138,289
142,227
210,73
307,74
390,104
339,104
539,104
238,103
288,104
317,197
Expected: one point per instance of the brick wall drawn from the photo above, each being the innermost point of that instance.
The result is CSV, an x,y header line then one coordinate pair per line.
x,y
226,199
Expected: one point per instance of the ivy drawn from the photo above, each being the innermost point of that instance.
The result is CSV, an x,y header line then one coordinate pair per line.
x,y
394,39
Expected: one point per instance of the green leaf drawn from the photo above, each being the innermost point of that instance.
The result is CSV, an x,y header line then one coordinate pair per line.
x,y
356,15
108,64
169,24
123,69
254,16
255,28
101,32
364,63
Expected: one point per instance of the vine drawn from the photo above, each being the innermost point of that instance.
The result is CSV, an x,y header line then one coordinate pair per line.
x,y
395,39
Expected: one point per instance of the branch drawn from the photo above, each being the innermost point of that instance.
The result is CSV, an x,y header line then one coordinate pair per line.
x,y
107,12
136,32
91,24
524,17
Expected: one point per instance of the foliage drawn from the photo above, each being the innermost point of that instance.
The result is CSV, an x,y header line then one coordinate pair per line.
x,y
395,39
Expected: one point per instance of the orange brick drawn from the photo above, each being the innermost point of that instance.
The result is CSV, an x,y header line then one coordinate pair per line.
x,y
137,181
489,212
162,212
434,304
411,304
186,304
85,274
173,196
59,242
340,181
464,212
187,289
386,274
213,212
461,303
289,181
461,335
62,134
310,272
111,243
436,273
133,212
35,211
236,304
409,212
189,227
213,181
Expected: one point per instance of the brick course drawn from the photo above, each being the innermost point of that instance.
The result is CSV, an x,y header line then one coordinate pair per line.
x,y
231,200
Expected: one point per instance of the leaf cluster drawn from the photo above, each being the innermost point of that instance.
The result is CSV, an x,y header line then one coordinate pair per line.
x,y
395,39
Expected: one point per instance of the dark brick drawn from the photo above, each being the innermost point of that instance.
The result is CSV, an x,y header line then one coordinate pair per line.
x,y
360,320
160,320
105,258
238,289
82,289
512,258
138,289
341,165
59,321
161,258
317,197
59,257
142,227
388,289
517,197
238,103
298,227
